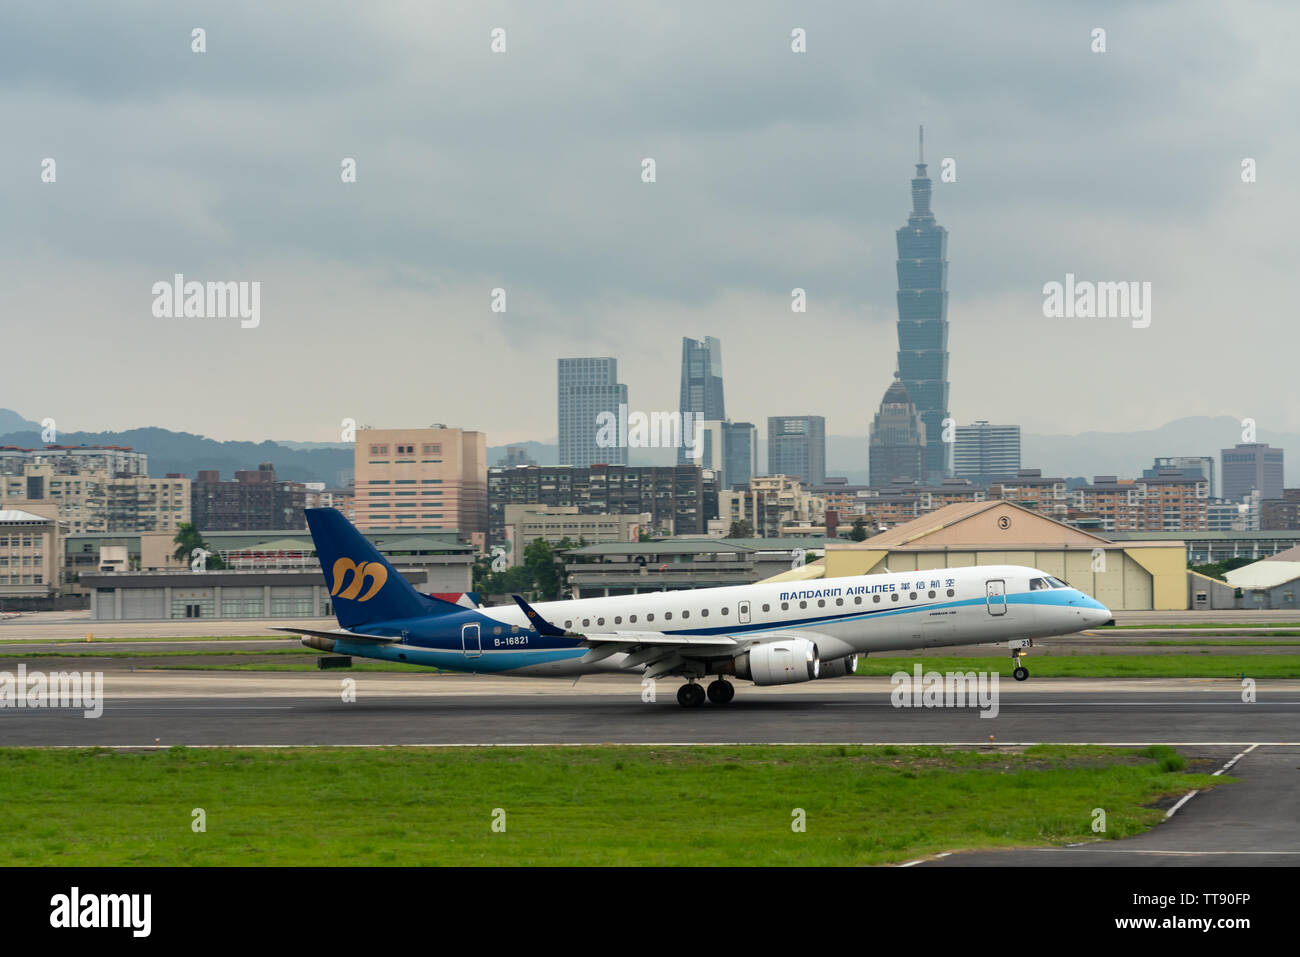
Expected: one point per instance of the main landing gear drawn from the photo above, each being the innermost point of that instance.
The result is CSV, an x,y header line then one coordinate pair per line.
x,y
692,695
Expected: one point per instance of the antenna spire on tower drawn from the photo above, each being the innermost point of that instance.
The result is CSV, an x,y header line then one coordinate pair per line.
x,y
922,138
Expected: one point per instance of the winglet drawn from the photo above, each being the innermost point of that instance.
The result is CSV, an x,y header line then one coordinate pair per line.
x,y
542,626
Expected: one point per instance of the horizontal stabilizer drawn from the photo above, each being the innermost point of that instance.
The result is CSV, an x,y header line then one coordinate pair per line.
x,y
341,633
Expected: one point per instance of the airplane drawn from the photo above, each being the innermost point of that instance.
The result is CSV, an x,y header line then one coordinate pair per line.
x,y
766,633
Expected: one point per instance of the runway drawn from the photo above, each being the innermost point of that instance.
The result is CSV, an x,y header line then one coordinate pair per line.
x,y
145,708
1252,822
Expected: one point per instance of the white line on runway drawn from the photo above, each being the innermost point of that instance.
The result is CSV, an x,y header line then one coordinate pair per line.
x,y
699,744
1191,794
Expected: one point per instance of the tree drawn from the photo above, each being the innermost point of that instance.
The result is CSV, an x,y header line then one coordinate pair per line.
x,y
540,562
859,532
741,529
189,538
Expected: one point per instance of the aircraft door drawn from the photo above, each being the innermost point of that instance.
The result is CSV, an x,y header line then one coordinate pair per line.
x,y
996,590
469,641
742,608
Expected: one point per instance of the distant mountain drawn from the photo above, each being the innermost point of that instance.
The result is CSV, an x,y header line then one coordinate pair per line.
x,y
11,421
1126,454
187,453
1088,454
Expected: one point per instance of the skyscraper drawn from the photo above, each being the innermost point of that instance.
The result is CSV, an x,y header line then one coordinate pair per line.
x,y
923,319
897,439
740,453
701,383
796,446
983,452
587,387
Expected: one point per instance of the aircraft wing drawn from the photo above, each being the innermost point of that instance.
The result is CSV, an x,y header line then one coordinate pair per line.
x,y
654,638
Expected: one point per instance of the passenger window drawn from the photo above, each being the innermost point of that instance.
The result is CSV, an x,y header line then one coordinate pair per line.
x,y
803,604
785,606
857,599
821,602
668,615
766,608
632,619
894,597
651,617
586,623
618,619
686,614
951,593
912,597
568,624
931,594
875,599
600,621
724,611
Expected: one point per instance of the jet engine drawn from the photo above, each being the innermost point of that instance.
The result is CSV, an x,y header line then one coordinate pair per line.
x,y
839,667
779,662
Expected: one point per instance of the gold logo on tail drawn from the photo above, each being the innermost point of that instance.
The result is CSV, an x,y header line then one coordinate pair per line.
x,y
375,571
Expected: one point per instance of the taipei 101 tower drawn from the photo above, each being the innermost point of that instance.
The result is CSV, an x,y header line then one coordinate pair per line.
x,y
923,320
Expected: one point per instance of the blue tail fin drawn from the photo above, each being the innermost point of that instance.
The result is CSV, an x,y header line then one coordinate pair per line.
x,y
363,586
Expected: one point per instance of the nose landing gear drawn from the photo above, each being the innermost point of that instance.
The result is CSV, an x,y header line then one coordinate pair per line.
x,y
1019,671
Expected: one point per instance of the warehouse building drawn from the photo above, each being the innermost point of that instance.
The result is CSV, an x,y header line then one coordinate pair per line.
x,y
1135,575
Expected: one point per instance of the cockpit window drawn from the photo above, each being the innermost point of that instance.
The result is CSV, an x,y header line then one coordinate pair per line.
x,y
1056,582
1037,583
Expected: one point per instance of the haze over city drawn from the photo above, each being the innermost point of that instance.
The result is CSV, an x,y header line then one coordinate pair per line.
x,y
522,171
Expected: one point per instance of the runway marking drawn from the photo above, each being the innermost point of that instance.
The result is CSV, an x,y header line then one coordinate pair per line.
x,y
1090,704
688,744
1191,794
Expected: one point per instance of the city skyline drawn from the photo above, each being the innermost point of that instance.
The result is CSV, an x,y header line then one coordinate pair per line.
x,y
786,177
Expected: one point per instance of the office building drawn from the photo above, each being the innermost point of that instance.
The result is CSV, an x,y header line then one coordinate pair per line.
x,y
255,500
796,446
739,454
434,478
1251,465
983,452
681,499
1191,466
587,389
897,442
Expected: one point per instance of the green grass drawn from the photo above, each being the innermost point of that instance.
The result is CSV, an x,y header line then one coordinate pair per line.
x,y
132,641
1203,665
156,654
1211,624
588,805
1207,642
358,664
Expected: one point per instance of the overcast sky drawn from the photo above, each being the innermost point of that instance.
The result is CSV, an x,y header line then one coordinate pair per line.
x,y
522,170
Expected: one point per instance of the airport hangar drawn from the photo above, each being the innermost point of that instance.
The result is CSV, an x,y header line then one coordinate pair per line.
x,y
1124,576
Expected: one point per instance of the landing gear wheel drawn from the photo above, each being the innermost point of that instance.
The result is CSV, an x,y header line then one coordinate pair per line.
x,y
1021,673
690,695
721,692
